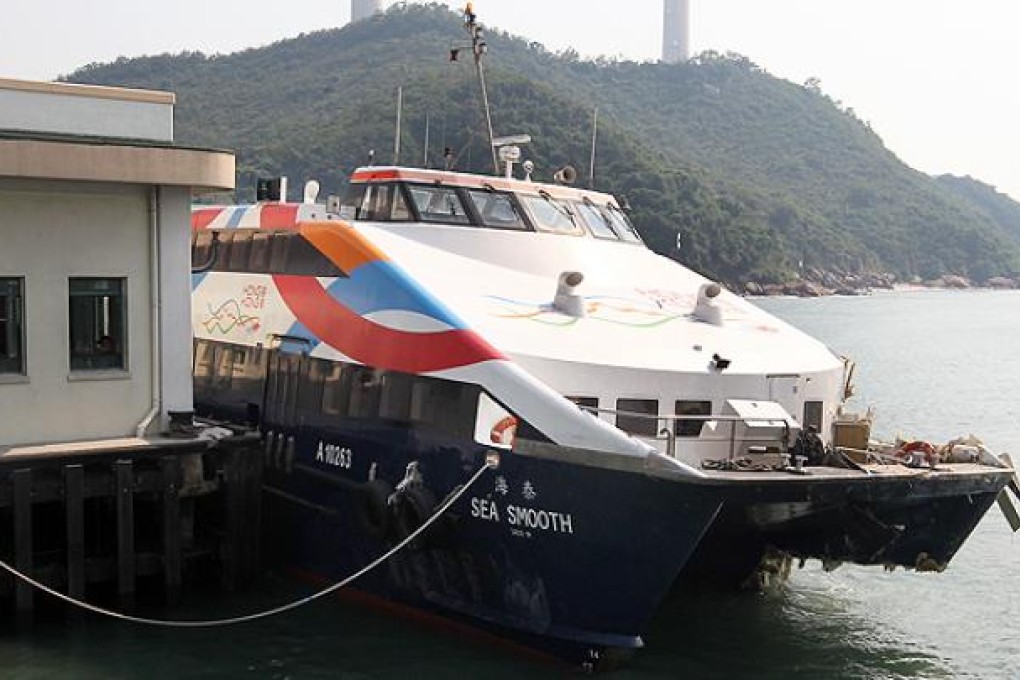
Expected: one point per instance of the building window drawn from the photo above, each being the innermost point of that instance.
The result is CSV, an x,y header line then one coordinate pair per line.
x,y
12,332
638,416
97,323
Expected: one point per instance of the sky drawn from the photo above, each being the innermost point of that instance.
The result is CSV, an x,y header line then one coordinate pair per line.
x,y
935,79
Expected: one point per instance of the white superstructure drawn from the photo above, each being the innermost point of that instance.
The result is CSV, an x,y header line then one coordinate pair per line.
x,y
630,337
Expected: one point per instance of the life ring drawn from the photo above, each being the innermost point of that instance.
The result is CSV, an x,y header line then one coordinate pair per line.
x,y
925,450
504,432
373,508
409,509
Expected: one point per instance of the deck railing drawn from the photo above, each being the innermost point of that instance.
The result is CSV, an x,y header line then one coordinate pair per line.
x,y
666,432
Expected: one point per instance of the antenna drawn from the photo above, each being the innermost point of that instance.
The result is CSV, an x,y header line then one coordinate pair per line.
x,y
479,48
396,136
425,162
594,133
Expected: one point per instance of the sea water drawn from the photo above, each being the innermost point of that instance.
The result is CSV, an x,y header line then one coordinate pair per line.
x,y
932,364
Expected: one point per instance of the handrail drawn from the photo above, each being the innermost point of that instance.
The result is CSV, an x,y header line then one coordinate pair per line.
x,y
669,434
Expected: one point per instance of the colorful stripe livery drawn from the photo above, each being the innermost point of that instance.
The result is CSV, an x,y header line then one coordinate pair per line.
x,y
377,315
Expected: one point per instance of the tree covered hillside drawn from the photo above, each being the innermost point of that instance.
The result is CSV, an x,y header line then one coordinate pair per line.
x,y
762,179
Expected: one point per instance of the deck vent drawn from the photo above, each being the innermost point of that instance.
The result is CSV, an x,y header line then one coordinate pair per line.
x,y
567,300
706,309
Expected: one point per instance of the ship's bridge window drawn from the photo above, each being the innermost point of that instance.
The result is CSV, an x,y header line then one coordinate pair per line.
x,y
383,203
496,209
438,204
687,426
598,223
622,225
552,215
638,416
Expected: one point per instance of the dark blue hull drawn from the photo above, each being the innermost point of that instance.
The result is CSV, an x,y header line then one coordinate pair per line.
x,y
913,521
568,558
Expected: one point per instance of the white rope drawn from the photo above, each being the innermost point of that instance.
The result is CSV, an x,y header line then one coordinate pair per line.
x,y
443,507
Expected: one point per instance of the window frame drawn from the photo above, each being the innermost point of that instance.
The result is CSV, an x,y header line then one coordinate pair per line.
x,y
523,221
559,206
17,334
470,219
625,421
685,428
95,361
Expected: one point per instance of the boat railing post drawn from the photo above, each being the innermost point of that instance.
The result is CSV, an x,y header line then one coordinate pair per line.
x,y
733,438
669,435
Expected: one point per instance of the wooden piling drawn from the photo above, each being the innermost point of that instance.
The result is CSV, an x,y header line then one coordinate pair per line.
x,y
172,556
74,498
233,522
253,525
22,480
74,519
124,479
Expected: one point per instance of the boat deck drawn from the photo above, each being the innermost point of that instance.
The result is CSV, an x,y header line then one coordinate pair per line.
x,y
819,473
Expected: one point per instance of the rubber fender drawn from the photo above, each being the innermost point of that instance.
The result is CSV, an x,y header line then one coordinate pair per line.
x,y
409,510
373,508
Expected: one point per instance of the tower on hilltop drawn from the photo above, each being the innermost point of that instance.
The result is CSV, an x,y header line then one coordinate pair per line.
x,y
676,32
362,9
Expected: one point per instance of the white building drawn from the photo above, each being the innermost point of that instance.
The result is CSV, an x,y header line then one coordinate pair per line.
x,y
95,338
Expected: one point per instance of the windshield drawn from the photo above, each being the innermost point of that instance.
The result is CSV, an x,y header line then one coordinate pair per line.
x,y
622,225
598,223
551,215
496,209
438,204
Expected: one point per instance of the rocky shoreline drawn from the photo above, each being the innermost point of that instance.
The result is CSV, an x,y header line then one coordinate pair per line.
x,y
816,283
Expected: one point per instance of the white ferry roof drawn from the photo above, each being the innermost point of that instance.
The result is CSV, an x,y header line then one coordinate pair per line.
x,y
380,174
637,306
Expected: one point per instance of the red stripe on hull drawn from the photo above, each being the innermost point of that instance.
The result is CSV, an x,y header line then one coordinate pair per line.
x,y
375,345
278,216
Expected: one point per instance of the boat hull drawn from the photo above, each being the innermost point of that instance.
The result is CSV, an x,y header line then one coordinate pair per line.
x,y
559,556
900,519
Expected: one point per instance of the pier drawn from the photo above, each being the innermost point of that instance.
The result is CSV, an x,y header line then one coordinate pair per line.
x,y
110,520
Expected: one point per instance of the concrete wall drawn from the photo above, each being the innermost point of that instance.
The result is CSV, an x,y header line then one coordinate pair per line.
x,y
51,231
175,293
62,108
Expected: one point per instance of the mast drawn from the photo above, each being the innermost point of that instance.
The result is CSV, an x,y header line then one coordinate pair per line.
x,y
425,162
396,136
594,134
479,48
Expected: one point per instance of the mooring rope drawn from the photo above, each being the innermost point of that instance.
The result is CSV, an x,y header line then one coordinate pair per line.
x,y
212,623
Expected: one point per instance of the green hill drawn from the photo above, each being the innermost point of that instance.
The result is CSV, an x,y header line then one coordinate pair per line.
x,y
761,178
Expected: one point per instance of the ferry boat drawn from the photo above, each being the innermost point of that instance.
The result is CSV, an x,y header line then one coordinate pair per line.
x,y
650,427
